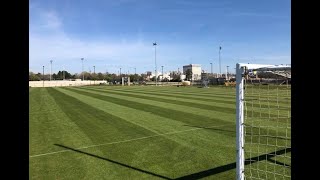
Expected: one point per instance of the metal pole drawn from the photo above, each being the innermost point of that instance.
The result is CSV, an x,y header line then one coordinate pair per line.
x,y
94,74
50,69
82,69
211,70
219,60
42,76
239,123
227,77
155,59
120,75
162,75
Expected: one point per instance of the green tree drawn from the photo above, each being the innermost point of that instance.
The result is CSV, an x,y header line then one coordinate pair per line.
x,y
134,77
33,77
188,74
100,76
142,77
175,76
66,74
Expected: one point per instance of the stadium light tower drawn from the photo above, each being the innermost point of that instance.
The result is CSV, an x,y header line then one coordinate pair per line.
x,y
94,74
50,69
42,76
227,73
211,70
120,73
219,60
162,73
82,69
155,58
135,71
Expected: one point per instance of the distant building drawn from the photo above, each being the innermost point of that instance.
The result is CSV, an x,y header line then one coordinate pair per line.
x,y
182,76
195,69
165,75
204,76
149,73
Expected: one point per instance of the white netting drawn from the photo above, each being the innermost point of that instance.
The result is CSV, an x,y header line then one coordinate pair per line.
x,y
267,123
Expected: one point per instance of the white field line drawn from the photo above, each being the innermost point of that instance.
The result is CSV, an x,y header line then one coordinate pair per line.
x,y
129,140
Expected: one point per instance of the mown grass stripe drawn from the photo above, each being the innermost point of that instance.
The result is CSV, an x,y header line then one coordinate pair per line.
x,y
149,121
184,102
216,94
263,101
174,156
169,94
128,140
98,125
182,108
196,96
256,113
184,117
184,90
167,125
211,92
281,99
50,125
218,108
155,122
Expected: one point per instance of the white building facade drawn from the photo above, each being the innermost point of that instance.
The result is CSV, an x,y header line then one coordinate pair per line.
x,y
195,69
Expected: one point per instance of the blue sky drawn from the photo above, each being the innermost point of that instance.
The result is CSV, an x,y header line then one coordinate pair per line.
x,y
114,34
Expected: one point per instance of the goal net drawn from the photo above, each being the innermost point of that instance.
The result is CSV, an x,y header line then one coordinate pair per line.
x,y
263,115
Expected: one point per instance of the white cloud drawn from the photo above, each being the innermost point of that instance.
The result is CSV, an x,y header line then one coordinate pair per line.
x,y
48,41
275,59
51,20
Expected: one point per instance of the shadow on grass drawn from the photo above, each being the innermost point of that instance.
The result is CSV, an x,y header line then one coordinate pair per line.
x,y
231,166
112,161
279,163
197,175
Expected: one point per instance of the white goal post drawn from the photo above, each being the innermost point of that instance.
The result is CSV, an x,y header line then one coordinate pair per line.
x,y
263,121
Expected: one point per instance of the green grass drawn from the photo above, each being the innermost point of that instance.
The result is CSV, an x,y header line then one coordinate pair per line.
x,y
147,132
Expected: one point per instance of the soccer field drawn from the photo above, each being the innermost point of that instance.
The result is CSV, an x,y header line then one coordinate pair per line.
x,y
136,132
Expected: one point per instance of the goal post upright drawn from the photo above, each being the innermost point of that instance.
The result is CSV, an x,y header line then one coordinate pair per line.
x,y
263,121
239,122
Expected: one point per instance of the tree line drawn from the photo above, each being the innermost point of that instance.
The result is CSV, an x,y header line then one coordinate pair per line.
x,y
110,77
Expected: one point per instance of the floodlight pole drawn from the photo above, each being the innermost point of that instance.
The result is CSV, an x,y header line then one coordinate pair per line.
x,y
42,76
94,74
211,70
82,69
162,75
227,73
219,60
155,58
50,69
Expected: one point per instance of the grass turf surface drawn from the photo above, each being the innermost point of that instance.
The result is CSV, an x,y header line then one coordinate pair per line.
x,y
134,132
